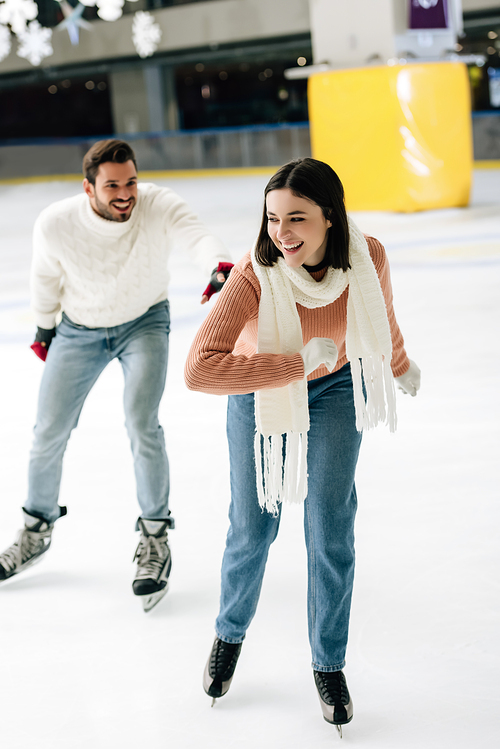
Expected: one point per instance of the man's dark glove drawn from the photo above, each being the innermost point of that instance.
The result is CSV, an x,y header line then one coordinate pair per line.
x,y
42,342
216,285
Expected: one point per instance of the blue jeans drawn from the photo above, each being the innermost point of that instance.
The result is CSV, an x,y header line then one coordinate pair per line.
x,y
76,358
329,512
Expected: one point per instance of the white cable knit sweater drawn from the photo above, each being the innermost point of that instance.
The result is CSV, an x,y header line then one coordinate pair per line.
x,y
105,273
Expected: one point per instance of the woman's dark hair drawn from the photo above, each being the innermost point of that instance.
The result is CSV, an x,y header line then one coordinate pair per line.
x,y
106,150
315,181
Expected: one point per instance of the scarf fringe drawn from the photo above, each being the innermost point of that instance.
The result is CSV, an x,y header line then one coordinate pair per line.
x,y
275,481
380,404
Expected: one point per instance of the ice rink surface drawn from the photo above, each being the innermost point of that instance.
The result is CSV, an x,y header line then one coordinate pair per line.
x,y
82,667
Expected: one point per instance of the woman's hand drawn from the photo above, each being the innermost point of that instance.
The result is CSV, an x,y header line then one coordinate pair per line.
x,y
409,383
319,351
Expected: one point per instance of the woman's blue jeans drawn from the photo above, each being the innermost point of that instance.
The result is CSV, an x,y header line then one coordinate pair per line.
x,y
76,358
329,513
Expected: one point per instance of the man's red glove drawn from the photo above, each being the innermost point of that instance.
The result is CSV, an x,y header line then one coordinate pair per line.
x,y
43,336
215,285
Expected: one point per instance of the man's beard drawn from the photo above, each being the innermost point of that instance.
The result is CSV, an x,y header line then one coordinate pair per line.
x,y
104,211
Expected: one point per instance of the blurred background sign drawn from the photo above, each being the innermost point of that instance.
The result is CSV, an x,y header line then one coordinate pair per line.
x,y
429,14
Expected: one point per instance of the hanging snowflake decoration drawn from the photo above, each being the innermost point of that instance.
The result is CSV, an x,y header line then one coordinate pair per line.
x,y
17,13
35,43
146,34
5,42
109,10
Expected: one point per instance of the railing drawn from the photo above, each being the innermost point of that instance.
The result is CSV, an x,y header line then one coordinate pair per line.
x,y
486,134
261,145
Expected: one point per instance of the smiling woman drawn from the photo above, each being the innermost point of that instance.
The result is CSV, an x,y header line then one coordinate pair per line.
x,y
297,227
305,342
305,192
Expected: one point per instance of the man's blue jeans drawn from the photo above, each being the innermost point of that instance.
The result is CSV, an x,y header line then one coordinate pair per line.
x,y
329,512
76,358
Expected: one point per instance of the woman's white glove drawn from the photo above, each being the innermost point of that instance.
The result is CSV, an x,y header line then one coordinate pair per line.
x,y
409,382
319,351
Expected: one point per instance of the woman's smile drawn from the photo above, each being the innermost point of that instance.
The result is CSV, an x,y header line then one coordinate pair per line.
x,y
288,247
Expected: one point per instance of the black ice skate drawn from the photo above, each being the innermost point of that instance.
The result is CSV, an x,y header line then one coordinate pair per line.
x,y
220,667
154,562
32,542
334,698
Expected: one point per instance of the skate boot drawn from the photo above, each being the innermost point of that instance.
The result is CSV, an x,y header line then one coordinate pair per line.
x,y
153,562
220,667
32,542
334,698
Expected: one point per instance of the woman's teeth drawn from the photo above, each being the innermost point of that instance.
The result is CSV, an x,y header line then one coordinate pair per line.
x,y
292,247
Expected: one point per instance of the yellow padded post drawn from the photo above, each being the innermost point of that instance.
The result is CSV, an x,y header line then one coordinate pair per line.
x,y
399,137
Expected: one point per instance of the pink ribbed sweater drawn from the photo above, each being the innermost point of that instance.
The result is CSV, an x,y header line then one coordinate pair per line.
x,y
223,358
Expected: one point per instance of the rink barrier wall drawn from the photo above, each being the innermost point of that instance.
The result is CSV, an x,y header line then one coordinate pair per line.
x,y
220,148
483,164
199,152
146,175
486,135
153,175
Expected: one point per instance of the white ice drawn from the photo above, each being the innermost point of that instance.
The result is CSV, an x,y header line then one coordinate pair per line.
x,y
82,667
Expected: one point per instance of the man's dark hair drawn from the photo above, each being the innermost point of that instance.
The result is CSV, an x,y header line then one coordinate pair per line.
x,y
315,181
106,150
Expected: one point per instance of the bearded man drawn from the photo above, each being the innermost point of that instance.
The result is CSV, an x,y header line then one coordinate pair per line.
x,y
100,268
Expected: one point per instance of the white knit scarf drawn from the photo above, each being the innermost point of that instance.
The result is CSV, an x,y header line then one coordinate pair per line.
x,y
282,414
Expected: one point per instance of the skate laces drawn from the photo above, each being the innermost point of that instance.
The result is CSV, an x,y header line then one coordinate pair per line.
x,y
28,545
151,553
11,557
223,658
332,687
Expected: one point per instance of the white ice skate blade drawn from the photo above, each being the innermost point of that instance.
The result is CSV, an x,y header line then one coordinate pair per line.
x,y
339,729
150,601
